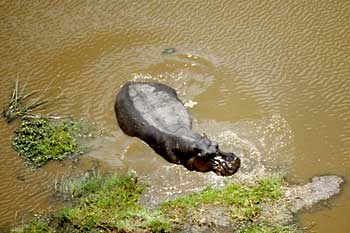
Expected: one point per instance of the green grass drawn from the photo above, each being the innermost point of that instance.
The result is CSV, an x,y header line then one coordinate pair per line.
x,y
41,140
109,203
244,202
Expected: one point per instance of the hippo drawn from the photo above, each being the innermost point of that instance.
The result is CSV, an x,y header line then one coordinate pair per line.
x,y
153,112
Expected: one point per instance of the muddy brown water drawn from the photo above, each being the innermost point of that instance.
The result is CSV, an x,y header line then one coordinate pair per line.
x,y
271,81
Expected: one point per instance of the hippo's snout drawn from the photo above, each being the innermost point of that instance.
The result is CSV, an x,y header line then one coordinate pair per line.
x,y
225,164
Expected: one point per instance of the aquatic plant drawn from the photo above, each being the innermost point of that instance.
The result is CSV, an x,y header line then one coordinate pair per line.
x,y
23,103
41,140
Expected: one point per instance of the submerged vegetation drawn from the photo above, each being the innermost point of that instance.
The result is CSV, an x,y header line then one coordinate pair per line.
x,y
110,203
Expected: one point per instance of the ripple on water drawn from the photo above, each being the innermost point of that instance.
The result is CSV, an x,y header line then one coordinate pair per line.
x,y
190,75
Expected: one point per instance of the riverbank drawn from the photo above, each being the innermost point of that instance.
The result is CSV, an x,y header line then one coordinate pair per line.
x,y
110,203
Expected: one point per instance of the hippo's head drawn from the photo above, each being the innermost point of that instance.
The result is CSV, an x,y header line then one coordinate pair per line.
x,y
210,158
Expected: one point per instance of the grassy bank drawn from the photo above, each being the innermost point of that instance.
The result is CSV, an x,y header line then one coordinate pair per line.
x,y
245,202
110,204
102,204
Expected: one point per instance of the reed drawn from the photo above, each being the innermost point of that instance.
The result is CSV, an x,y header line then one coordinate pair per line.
x,y
24,104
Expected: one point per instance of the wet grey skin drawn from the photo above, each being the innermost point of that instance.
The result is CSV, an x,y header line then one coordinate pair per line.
x,y
153,113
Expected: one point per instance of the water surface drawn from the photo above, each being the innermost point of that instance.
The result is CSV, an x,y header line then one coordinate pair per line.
x,y
272,83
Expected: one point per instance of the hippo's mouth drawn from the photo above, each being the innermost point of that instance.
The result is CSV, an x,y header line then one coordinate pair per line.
x,y
225,164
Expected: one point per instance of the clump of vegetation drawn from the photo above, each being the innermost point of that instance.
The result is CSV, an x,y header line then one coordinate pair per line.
x,y
41,140
109,203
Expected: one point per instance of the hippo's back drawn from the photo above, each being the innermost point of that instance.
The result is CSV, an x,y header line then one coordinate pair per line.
x,y
158,106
